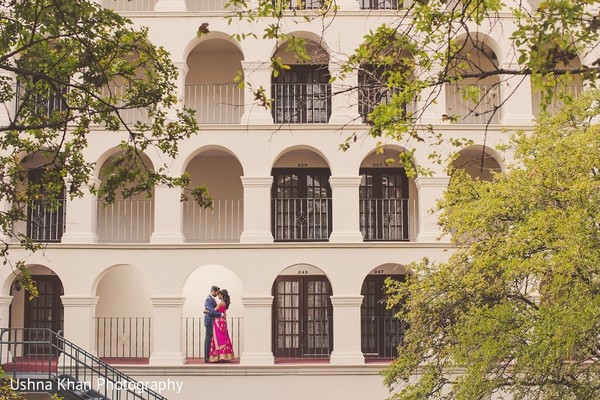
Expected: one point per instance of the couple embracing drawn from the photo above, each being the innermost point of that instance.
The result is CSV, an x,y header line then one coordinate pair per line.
x,y
217,345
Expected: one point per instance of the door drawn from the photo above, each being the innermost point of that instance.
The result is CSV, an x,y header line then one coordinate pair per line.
x,y
45,223
43,312
381,331
302,323
301,204
384,204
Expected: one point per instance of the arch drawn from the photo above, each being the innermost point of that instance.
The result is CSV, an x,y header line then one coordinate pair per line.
x,y
487,41
470,159
310,37
192,44
297,148
389,150
113,151
117,297
208,148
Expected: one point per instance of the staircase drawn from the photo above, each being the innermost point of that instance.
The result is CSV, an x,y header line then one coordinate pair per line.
x,y
40,360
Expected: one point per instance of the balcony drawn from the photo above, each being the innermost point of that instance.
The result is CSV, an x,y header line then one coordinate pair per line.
x,y
217,103
380,4
301,103
194,334
572,91
301,219
129,5
303,4
480,109
127,220
119,338
221,223
384,219
381,336
44,224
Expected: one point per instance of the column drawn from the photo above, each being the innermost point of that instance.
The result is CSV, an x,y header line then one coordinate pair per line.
x,y
257,74
346,330
345,209
170,5
344,102
516,93
431,106
79,313
257,209
430,190
5,207
167,346
168,215
8,109
257,331
81,216
5,311
182,69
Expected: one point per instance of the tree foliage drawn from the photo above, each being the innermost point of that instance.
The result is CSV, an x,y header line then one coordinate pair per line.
x,y
516,308
69,68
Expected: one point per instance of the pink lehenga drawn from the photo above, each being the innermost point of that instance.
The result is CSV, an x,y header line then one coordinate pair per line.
x,y
220,347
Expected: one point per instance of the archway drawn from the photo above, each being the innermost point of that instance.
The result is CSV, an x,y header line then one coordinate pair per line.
x,y
478,162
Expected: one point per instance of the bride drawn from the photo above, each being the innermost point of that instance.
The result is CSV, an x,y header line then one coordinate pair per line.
x,y
220,347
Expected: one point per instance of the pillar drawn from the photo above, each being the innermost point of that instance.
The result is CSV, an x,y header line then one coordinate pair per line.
x,y
168,215
346,330
345,209
431,106
515,92
430,190
257,331
344,104
170,5
257,206
5,302
79,313
167,346
81,215
257,74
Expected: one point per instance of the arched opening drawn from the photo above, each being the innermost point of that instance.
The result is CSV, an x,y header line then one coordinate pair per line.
x,y
388,199
129,219
210,86
196,290
123,321
474,100
37,315
381,331
301,197
45,211
477,162
302,94
223,222
302,314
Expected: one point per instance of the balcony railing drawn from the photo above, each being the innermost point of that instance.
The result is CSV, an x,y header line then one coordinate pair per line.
x,y
302,4
303,338
480,110
123,337
301,103
44,223
194,334
129,5
216,104
536,99
207,5
384,219
129,116
224,222
380,4
381,336
125,220
301,219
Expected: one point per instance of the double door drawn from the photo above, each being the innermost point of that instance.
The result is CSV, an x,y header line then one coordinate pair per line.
x,y
41,313
302,317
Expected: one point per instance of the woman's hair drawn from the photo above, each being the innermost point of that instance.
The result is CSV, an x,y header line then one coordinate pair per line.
x,y
226,297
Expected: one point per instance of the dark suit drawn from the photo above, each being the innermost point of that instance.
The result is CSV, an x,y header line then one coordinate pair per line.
x,y
210,314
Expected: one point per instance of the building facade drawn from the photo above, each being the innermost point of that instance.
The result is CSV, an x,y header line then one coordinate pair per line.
x,y
300,233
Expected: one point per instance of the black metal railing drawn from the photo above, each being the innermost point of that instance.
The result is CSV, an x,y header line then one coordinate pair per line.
x,y
46,356
301,103
123,337
381,4
384,219
195,333
44,222
381,336
303,338
301,219
300,4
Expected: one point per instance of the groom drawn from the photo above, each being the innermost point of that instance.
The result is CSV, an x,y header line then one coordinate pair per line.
x,y
209,313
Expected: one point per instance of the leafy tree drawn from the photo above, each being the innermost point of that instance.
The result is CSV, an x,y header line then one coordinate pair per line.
x,y
68,68
429,44
516,309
